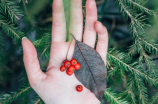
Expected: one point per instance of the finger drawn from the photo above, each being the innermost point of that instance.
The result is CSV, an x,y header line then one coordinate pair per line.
x,y
34,73
102,44
76,19
91,17
59,23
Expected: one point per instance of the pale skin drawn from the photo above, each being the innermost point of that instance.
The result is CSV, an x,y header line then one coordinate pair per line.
x,y
54,86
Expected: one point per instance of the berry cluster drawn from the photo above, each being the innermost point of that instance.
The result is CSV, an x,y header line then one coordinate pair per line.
x,y
70,67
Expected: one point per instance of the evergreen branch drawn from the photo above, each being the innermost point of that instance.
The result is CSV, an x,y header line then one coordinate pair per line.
x,y
3,24
112,97
120,63
142,8
12,11
154,99
147,45
11,30
111,73
154,48
44,52
136,19
148,63
142,91
138,27
43,44
123,9
8,98
38,101
129,93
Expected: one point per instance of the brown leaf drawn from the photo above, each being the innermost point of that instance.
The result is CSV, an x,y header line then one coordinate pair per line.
x,y
92,73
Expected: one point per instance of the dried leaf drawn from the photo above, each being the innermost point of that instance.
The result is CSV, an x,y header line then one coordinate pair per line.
x,y
92,73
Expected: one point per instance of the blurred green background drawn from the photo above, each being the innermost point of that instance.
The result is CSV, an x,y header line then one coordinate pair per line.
x,y
37,20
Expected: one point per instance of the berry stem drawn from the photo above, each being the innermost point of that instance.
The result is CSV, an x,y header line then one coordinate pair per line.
x,y
69,48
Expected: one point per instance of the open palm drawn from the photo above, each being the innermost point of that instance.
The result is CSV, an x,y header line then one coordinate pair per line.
x,y
54,86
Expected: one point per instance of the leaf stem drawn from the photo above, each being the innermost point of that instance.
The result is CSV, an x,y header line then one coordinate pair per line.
x,y
69,46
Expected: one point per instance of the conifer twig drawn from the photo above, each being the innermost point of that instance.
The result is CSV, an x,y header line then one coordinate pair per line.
x,y
37,102
9,99
145,76
9,9
3,24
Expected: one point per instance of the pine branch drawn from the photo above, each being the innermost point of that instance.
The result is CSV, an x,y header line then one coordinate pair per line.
x,y
154,99
112,73
129,94
8,24
138,28
37,102
150,47
141,89
8,98
140,7
11,30
43,44
113,98
12,11
46,52
132,68
137,24
148,61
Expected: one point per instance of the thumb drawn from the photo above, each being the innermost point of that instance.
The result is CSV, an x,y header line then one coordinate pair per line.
x,y
32,66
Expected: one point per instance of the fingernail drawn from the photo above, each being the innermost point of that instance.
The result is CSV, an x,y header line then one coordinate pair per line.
x,y
24,38
99,23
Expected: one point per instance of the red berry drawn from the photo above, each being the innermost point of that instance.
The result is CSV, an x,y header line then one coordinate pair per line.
x,y
71,68
67,63
77,66
79,88
62,68
69,72
73,62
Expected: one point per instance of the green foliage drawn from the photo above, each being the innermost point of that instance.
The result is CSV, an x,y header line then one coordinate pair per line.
x,y
135,74
43,44
144,70
113,98
8,17
154,99
8,98
37,101
13,12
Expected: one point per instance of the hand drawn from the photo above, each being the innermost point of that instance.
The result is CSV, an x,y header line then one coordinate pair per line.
x,y
54,86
